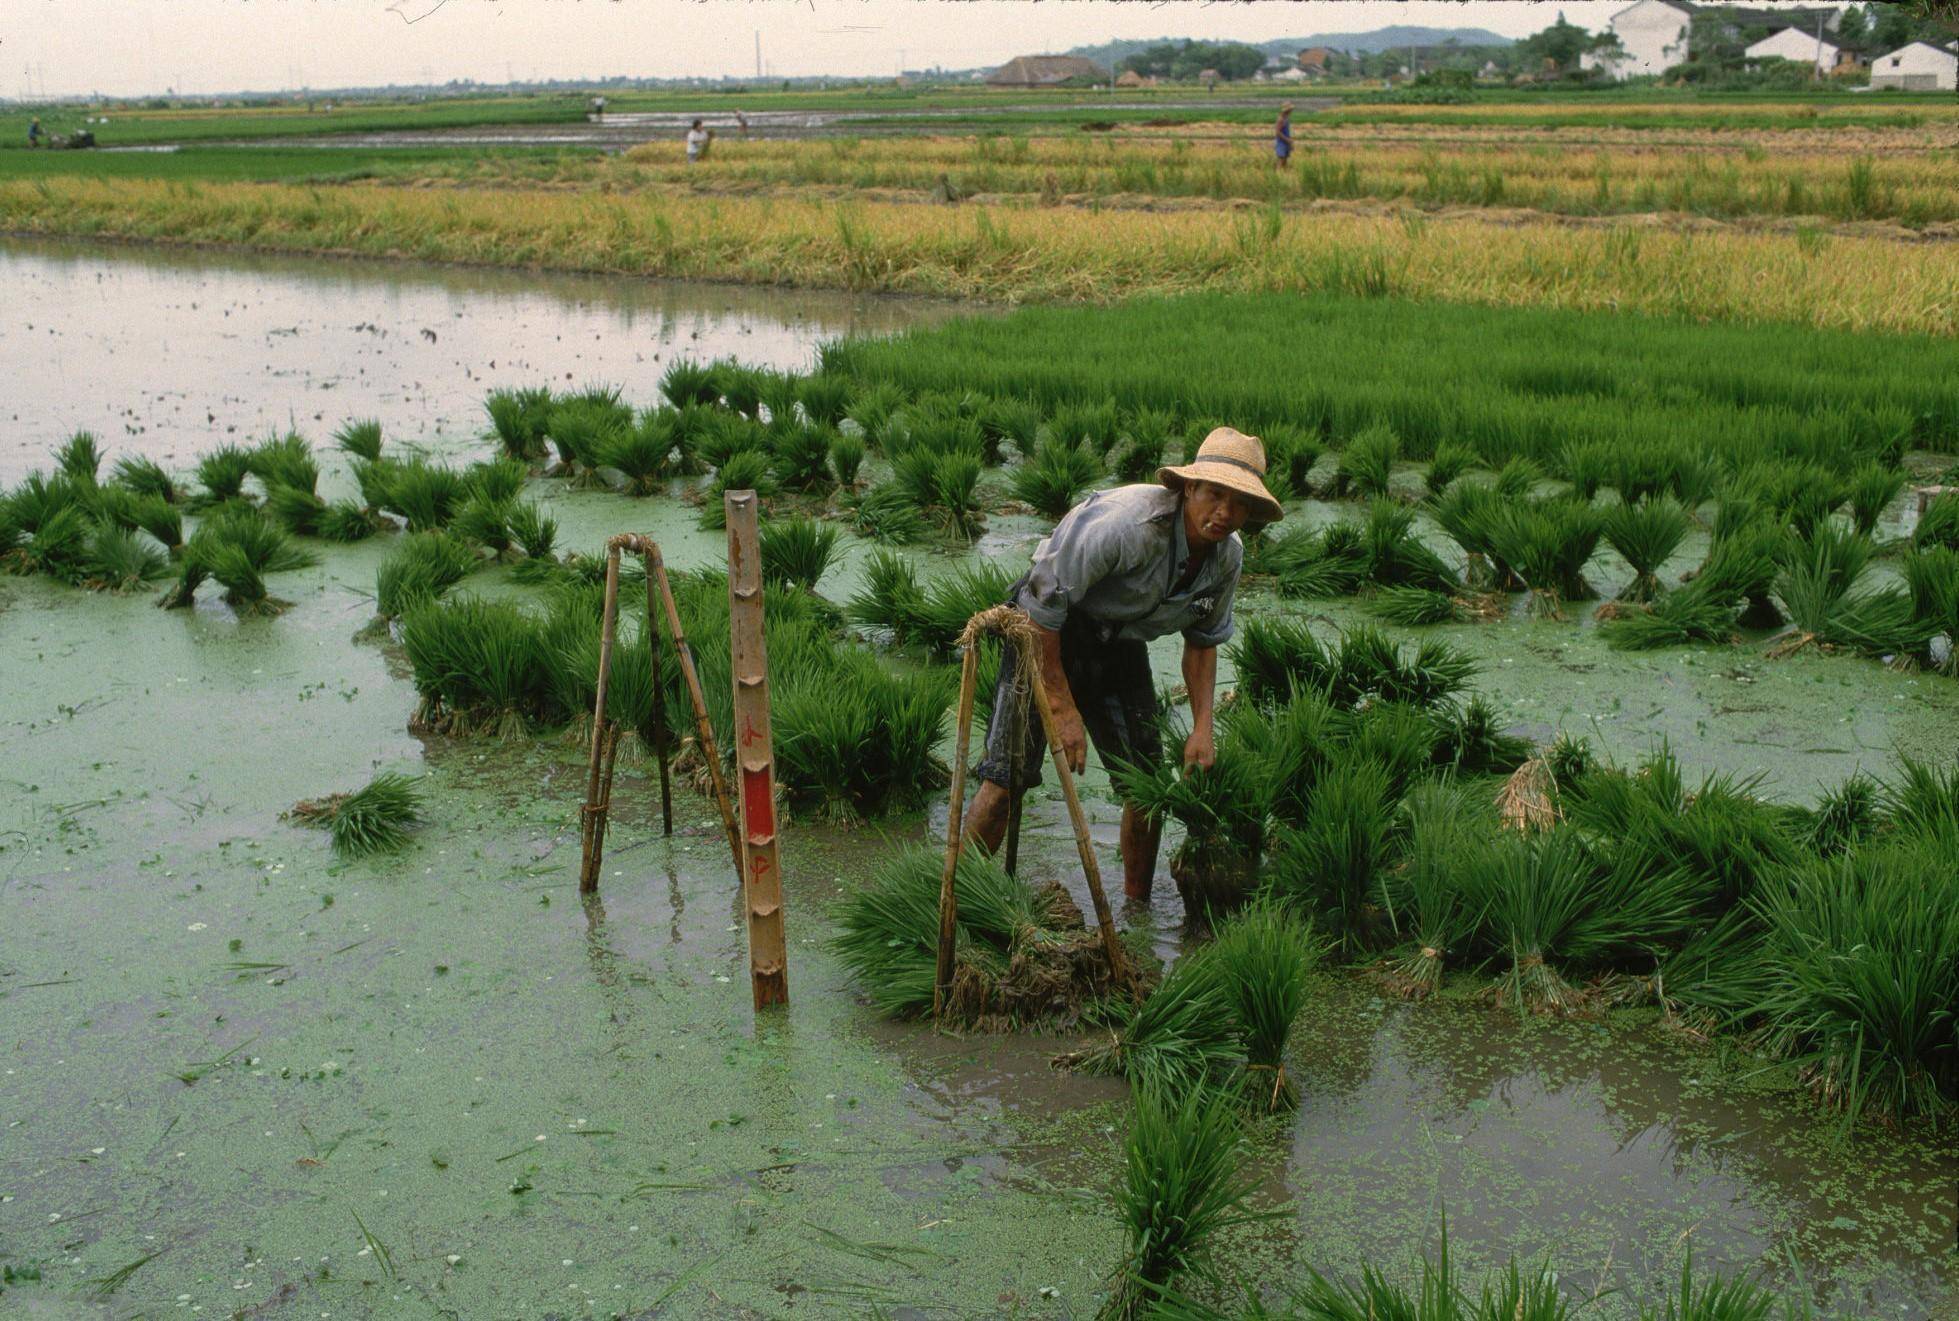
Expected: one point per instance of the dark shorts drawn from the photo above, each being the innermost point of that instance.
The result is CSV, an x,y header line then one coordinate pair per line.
x,y
1113,689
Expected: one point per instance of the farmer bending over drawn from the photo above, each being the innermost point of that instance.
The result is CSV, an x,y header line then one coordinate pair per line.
x,y
1122,567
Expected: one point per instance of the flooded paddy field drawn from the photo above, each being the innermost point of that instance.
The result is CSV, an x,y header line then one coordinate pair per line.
x,y
241,1077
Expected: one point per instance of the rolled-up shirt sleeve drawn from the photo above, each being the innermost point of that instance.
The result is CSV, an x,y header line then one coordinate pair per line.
x,y
1085,547
1215,628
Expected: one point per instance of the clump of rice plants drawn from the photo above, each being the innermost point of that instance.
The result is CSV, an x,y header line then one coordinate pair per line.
x,y
1023,957
1821,590
739,387
1451,460
1095,425
1646,535
1674,620
1418,606
1263,959
796,551
298,510
872,409
1367,463
534,531
53,542
855,740
1184,1180
161,519
285,461
346,521
1587,465
639,453
1532,890
1139,453
745,471
1334,861
801,455
236,545
1844,817
687,383
1053,478
1864,966
886,513
121,561
422,567
891,598
80,458
1548,543
1518,478
424,495
1290,454
1872,489
360,439
825,399
945,482
376,818
485,521
1468,513
1939,524
1932,579
1923,800
581,428
719,436
1274,658
520,420
222,473
478,665
951,599
1338,559
1179,1040
778,391
846,457
146,477
1426,901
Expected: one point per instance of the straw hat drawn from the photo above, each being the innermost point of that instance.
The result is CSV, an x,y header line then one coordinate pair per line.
x,y
1235,461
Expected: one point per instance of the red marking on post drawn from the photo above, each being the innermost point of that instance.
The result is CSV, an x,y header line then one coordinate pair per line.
x,y
750,734
757,804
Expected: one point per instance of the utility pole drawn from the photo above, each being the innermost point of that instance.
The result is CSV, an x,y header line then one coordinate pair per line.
x,y
1816,75
758,54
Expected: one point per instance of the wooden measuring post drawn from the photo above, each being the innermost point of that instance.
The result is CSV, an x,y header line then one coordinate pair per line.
x,y
660,748
592,826
1111,945
955,831
768,955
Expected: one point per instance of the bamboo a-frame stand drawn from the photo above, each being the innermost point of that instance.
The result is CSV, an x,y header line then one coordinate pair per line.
x,y
605,732
1012,628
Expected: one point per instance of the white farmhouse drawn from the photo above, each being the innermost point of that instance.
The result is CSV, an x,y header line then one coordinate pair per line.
x,y
1919,67
1797,45
1652,38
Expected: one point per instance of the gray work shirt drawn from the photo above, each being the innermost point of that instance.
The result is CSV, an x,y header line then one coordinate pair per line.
x,y
1116,557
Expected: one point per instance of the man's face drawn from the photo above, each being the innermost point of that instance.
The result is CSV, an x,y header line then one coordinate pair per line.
x,y
1212,513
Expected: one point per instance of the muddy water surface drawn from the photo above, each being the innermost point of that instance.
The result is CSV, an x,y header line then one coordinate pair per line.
x,y
262,1081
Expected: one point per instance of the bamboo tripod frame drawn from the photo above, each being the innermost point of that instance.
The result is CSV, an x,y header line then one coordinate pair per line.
x,y
955,832
605,732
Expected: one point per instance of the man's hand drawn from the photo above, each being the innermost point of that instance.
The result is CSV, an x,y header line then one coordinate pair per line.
x,y
1200,751
1074,740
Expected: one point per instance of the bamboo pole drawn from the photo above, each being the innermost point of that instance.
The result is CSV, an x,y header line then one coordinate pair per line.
x,y
1118,970
660,748
592,824
955,832
768,954
600,816
1016,736
703,727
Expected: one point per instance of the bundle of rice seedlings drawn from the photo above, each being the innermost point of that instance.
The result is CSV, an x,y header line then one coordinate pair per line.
x,y
244,585
121,561
1864,957
1274,658
1646,535
778,391
55,544
801,455
485,521
825,399
859,741
1367,463
1844,817
746,471
110,506
1923,801
1145,433
796,551
688,383
520,420
422,567
375,818
285,461
1548,543
1180,1040
1932,579
534,531
872,409
952,599
1007,420
1316,562
1094,425
1224,811
1820,590
1467,513
495,479
1427,903
846,457
739,387
1396,556
222,474
1184,1180
1588,465
161,519
891,598
1053,478
359,438
146,477
1452,459
955,485
1531,889
1872,489
1518,478
1939,524
639,453
1509,1293
80,458
886,513
1023,957
477,665
1263,959
720,436
423,495
1689,614
298,510
1471,738
1290,454
1415,606
1335,861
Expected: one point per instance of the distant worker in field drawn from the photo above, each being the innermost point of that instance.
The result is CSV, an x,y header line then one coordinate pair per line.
x,y
1282,136
34,134
741,121
697,139
1122,567
598,110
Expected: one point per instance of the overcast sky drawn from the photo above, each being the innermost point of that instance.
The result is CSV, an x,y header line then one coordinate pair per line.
x,y
126,47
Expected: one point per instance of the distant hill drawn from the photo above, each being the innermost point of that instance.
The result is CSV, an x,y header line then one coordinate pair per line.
x,y
1356,43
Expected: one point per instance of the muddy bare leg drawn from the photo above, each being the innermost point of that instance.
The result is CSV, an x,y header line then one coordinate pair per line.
x,y
1140,838
986,817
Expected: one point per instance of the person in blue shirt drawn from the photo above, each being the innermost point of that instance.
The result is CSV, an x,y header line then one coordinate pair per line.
x,y
1122,567
34,132
1282,136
